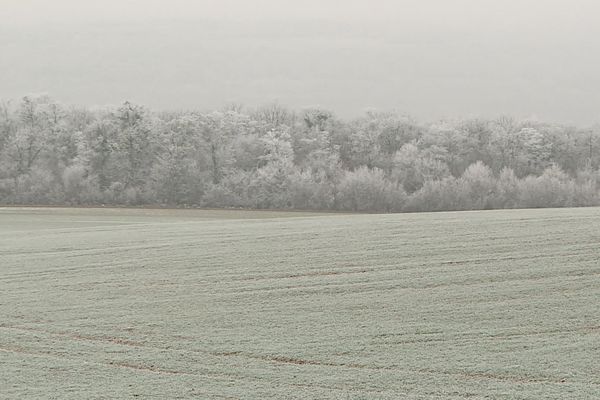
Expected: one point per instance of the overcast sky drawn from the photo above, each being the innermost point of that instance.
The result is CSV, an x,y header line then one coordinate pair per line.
x,y
428,58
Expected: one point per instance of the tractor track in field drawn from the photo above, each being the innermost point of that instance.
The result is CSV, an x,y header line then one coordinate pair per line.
x,y
154,369
151,368
285,360
387,284
397,268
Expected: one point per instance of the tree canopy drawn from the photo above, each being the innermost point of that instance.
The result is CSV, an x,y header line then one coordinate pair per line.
x,y
273,157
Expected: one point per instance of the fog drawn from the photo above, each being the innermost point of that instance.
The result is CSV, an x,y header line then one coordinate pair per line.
x,y
431,59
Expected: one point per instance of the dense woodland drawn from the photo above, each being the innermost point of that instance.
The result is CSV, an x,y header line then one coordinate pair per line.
x,y
273,157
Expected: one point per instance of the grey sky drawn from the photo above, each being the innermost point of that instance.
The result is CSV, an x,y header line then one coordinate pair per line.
x,y
429,58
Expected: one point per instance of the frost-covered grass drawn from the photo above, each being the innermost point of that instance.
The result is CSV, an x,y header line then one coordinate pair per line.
x,y
98,304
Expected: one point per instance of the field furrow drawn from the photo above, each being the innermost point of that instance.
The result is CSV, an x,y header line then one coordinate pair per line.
x,y
201,304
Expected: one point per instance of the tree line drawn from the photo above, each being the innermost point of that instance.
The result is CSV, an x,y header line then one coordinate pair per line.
x,y
276,158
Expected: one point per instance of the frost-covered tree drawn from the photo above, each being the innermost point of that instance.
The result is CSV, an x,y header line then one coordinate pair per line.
x,y
273,157
366,189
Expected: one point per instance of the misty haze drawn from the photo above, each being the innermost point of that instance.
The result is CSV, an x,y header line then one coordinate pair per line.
x,y
429,59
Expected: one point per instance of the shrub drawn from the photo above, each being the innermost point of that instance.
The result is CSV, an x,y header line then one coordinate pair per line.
x,y
367,190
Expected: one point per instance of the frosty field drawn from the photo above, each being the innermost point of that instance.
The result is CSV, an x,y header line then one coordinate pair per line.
x,y
102,304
